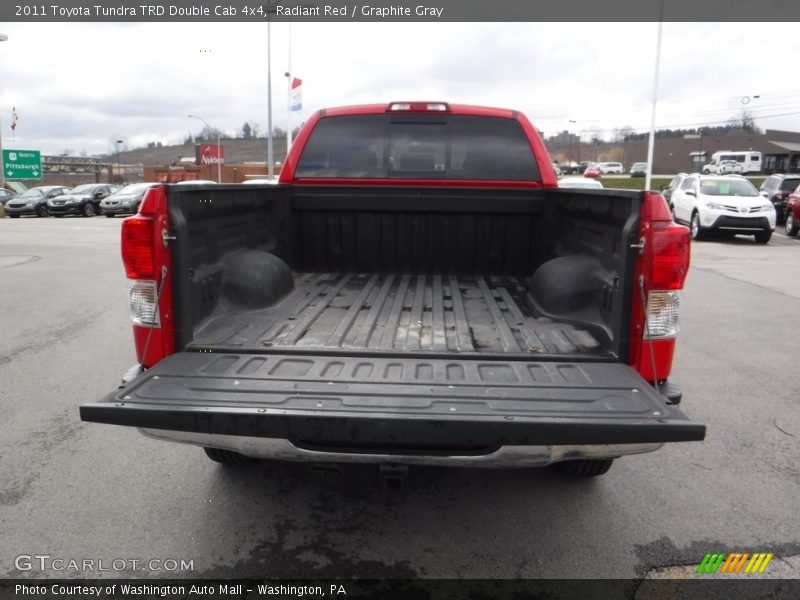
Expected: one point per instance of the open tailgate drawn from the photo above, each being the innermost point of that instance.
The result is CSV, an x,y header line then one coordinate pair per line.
x,y
356,400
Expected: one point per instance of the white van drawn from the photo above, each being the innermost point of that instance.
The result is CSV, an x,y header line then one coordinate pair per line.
x,y
749,161
610,167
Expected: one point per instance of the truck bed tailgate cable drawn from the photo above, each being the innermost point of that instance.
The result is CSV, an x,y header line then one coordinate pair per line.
x,y
157,301
647,334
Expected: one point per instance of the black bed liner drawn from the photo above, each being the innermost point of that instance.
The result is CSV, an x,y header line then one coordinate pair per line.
x,y
407,313
359,400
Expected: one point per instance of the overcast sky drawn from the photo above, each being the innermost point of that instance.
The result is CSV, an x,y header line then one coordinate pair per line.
x,y
79,86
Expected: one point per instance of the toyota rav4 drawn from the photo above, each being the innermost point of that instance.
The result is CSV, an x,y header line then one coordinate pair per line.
x,y
725,205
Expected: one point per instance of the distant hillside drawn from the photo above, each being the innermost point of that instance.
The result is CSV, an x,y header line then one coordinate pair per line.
x,y
237,151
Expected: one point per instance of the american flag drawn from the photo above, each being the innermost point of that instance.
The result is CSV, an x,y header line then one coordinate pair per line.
x,y
296,94
14,119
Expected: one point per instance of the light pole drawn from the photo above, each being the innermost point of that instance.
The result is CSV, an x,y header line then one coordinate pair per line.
x,y
575,146
652,137
3,38
700,160
219,148
119,168
270,153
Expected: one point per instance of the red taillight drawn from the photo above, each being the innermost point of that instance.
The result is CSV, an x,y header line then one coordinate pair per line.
x,y
137,247
671,252
661,268
147,262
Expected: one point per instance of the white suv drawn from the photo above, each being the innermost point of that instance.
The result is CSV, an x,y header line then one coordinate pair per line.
x,y
724,204
610,167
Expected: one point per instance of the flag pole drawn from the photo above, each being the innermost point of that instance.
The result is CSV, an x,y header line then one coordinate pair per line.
x,y
270,159
652,137
289,96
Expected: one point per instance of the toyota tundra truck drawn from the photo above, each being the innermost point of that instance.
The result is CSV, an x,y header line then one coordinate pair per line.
x,y
415,290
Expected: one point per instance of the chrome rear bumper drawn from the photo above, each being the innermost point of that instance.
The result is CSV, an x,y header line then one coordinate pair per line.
x,y
505,457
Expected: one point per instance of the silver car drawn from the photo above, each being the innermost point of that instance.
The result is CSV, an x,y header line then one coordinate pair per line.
x,y
126,200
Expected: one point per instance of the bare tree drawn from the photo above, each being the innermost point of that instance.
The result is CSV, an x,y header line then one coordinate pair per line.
x,y
745,120
621,133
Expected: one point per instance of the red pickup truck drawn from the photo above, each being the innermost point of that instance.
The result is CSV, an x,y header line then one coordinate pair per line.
x,y
416,290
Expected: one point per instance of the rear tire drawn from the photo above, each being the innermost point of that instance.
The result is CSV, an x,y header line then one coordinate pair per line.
x,y
584,468
763,237
14,216
88,210
792,227
228,457
109,215
42,212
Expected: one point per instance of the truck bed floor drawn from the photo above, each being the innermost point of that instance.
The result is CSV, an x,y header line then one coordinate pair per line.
x,y
408,313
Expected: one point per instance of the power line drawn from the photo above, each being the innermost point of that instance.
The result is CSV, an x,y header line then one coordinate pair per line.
x,y
663,126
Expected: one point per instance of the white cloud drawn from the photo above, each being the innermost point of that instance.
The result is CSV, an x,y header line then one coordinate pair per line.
x,y
82,85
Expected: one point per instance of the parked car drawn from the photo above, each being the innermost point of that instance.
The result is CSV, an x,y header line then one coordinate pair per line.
x,y
776,188
723,204
126,200
580,182
11,190
34,201
6,195
610,167
792,213
593,172
557,169
82,200
668,189
638,169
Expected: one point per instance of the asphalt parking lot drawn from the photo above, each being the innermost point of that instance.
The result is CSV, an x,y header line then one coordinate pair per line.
x,y
77,490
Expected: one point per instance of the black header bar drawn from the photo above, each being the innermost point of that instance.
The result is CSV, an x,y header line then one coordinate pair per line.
x,y
743,587
338,11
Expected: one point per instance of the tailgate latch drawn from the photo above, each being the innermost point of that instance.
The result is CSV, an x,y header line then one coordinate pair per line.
x,y
166,237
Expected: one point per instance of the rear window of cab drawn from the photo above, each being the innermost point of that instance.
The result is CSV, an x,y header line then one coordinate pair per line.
x,y
417,146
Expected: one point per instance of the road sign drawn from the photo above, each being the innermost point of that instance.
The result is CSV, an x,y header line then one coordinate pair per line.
x,y
22,164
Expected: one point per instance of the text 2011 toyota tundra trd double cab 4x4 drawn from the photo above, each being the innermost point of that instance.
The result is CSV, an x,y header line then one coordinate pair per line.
x,y
416,290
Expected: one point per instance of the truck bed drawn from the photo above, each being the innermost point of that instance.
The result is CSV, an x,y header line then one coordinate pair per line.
x,y
353,269
408,313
